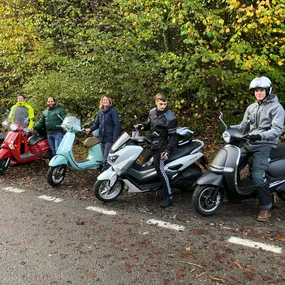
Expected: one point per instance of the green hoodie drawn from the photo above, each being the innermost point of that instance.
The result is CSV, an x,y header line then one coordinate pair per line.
x,y
51,120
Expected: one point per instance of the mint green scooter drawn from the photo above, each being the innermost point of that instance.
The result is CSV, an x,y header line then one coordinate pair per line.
x,y
64,156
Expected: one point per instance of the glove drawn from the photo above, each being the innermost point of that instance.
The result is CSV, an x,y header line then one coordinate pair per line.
x,y
139,126
254,138
164,155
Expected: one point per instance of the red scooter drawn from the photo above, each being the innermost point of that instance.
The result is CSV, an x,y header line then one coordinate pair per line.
x,y
20,147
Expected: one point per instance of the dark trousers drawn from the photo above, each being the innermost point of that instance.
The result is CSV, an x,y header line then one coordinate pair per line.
x,y
105,147
159,167
260,157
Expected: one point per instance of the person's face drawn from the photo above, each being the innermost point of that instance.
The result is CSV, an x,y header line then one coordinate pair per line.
x,y
20,99
105,102
50,103
260,93
161,105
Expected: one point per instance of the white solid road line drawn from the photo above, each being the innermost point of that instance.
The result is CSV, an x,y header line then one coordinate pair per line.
x,y
253,244
165,225
50,198
101,210
14,190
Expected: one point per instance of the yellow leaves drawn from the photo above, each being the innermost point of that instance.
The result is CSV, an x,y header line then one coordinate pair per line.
x,y
280,62
265,20
235,3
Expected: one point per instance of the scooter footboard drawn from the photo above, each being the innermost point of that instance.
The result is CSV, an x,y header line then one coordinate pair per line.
x,y
210,178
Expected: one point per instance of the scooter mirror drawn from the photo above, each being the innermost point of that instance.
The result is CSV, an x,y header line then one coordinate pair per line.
x,y
221,119
5,124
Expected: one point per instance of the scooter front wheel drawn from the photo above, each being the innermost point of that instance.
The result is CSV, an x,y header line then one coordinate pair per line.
x,y
4,164
104,192
56,174
207,199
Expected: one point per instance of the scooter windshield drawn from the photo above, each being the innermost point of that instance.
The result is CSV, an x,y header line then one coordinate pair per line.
x,y
71,123
120,141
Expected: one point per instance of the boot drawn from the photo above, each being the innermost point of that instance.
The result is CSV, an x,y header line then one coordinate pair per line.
x,y
168,201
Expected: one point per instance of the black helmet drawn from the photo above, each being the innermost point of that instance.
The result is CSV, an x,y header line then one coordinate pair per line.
x,y
261,82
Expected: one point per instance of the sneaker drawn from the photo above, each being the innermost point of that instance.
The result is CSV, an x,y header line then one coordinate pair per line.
x,y
264,215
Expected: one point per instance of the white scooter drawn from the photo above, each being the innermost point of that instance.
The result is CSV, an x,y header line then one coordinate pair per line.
x,y
181,166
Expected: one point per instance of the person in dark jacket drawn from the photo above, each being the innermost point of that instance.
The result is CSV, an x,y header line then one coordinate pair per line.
x,y
108,122
265,120
162,124
50,122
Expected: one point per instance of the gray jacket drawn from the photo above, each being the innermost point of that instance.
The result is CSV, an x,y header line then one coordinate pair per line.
x,y
265,119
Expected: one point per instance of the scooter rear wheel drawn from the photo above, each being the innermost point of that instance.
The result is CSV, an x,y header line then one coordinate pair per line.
x,y
203,199
281,195
56,174
104,192
4,164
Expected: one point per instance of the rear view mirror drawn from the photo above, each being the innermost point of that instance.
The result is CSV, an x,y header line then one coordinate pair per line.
x,y
5,124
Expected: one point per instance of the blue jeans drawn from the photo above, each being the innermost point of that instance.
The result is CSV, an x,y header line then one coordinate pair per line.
x,y
54,140
105,147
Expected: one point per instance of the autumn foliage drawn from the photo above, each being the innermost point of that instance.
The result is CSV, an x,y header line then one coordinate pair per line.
x,y
203,54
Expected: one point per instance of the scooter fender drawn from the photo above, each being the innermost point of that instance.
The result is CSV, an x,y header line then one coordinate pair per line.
x,y
5,153
211,178
58,160
108,174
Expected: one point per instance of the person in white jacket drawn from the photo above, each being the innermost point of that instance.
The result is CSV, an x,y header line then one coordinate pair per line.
x,y
265,120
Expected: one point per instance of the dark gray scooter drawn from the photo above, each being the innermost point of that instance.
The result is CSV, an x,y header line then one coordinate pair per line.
x,y
223,177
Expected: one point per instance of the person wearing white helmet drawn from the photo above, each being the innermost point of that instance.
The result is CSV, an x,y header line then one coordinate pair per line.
x,y
265,120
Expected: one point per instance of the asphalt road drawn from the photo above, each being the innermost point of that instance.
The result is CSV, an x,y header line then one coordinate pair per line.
x,y
65,236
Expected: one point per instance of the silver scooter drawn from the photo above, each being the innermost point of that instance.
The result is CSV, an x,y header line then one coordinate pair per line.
x,y
223,176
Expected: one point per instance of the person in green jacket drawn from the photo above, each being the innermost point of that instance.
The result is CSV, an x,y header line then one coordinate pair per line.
x,y
22,111
50,122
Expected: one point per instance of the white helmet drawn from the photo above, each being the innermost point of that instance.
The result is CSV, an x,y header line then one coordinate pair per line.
x,y
261,82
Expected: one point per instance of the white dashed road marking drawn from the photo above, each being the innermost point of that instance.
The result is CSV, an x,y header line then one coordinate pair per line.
x,y
14,190
165,225
101,210
253,244
50,198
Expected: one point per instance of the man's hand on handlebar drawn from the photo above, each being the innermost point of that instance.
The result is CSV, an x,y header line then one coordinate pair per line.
x,y
254,138
139,126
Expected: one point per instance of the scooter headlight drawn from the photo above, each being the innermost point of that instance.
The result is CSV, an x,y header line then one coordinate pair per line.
x,y
226,136
112,158
14,127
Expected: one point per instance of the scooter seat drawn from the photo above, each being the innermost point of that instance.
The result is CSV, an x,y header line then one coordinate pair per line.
x,y
183,150
278,152
33,140
89,142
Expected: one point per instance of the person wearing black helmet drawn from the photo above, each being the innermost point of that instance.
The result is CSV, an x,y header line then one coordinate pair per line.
x,y
264,119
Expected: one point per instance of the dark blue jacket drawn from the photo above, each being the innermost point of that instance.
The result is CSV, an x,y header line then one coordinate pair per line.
x,y
108,122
